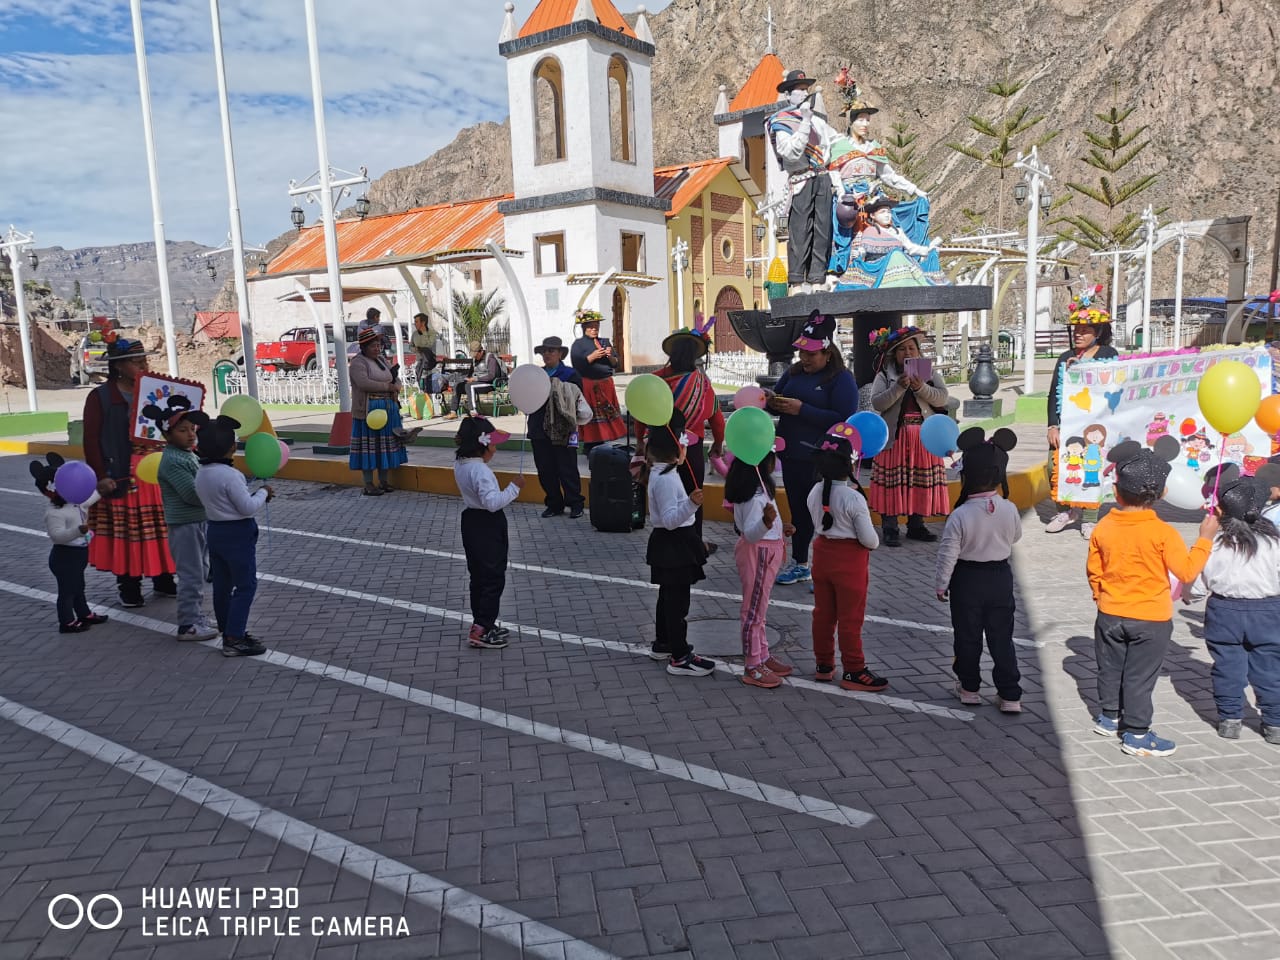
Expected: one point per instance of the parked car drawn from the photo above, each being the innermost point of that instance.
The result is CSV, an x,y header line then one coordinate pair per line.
x,y
88,360
297,349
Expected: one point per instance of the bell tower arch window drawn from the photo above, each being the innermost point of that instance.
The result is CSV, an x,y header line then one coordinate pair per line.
x,y
621,112
548,111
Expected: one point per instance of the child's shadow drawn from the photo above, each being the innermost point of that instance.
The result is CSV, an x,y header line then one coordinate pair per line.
x,y
1082,667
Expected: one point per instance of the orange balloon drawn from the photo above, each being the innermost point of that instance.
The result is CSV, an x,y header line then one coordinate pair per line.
x,y
1268,415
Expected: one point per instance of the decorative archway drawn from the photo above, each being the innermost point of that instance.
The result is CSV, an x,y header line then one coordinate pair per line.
x,y
723,335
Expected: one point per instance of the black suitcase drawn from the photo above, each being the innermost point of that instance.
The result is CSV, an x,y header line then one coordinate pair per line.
x,y
612,489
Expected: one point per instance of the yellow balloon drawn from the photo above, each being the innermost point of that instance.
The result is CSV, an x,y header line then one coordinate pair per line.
x,y
377,419
1228,395
149,468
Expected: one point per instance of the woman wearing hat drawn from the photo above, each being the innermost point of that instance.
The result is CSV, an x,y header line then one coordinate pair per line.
x,y
905,477
815,394
1090,330
883,256
375,386
593,358
130,538
694,395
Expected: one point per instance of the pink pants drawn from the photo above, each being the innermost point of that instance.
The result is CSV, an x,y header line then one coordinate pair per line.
x,y
758,565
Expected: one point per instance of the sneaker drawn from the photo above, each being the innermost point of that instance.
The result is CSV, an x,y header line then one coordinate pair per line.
x,y
1230,729
890,537
785,572
921,533
1271,734
761,676
451,416
862,680
970,698
576,513
691,666
488,640
1146,745
1061,521
659,653
552,512
245,646
164,586
1010,706
94,619
1086,530
197,631
132,598
778,668
824,673
1105,726
796,573
75,626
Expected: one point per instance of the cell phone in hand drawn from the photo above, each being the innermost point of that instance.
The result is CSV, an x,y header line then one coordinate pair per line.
x,y
920,367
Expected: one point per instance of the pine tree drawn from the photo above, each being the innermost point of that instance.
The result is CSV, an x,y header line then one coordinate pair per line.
x,y
1004,132
1112,151
903,152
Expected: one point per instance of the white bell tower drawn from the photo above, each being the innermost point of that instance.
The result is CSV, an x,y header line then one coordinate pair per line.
x,y
579,89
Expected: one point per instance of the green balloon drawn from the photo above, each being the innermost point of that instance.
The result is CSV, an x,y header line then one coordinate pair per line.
x,y
648,398
262,455
749,434
246,410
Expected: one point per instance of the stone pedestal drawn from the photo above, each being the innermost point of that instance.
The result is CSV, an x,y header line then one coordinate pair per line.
x,y
981,408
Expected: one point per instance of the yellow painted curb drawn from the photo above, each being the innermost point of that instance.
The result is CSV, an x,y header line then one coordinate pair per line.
x,y
1026,487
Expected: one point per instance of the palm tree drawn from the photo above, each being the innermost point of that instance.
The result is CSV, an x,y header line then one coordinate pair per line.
x,y
473,314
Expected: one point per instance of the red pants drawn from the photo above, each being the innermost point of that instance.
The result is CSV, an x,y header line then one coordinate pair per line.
x,y
839,598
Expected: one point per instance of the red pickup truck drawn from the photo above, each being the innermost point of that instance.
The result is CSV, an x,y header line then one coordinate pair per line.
x,y
296,349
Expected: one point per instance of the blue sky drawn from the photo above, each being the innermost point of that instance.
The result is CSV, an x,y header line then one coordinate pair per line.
x,y
399,80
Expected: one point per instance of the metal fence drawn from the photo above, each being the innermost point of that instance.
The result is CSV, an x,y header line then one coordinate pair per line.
x,y
737,369
300,387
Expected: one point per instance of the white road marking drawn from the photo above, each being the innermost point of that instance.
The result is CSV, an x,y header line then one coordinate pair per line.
x,y
455,903
774,601
829,689
632,756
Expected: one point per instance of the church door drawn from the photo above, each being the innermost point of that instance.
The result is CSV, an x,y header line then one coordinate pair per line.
x,y
722,335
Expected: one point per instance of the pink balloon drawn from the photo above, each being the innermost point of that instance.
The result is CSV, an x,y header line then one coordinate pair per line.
x,y
749,397
284,453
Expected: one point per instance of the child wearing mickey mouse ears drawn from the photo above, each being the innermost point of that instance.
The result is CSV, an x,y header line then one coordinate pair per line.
x,y
484,527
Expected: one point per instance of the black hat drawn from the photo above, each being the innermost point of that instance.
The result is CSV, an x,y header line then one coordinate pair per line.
x,y
877,203
1268,475
167,417
550,343
1243,499
793,79
1139,471
123,349
215,437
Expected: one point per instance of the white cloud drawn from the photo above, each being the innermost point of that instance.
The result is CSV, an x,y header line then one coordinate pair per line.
x,y
400,79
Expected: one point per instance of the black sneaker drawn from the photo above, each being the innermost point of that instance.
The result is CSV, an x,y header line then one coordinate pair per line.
x,y
691,666
132,597
891,537
923,534
75,626
501,632
576,513
552,512
659,653
245,646
94,619
489,640
164,585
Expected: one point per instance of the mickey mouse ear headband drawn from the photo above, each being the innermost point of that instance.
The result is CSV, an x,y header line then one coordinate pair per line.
x,y
215,436
1141,472
43,471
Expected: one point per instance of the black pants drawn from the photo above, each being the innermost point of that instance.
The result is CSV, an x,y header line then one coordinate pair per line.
x,y
671,629
797,480
68,564
1129,654
558,473
982,604
163,581
484,540
696,458
809,223
914,522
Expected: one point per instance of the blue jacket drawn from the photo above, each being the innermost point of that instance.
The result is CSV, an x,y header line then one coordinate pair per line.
x,y
825,404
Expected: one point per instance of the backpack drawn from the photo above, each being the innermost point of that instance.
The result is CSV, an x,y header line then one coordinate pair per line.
x,y
504,372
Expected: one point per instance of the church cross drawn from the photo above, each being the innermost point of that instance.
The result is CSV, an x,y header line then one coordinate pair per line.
x,y
769,22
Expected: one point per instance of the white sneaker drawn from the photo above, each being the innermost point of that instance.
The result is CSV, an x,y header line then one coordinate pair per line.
x,y
1062,521
1086,530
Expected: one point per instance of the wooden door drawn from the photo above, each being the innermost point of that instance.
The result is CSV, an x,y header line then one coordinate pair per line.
x,y
722,335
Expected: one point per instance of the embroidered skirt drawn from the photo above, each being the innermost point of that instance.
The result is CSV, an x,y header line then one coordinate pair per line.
x,y
130,538
606,419
907,478
377,449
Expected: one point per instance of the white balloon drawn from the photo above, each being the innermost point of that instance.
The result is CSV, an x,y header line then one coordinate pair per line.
x,y
1182,489
529,387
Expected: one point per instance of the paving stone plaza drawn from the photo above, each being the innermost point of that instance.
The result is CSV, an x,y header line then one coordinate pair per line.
x,y
372,788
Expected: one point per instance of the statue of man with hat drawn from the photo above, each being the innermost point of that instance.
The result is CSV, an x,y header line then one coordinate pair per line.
x,y
801,141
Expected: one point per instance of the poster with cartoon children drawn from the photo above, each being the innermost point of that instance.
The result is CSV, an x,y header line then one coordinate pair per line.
x,y
1150,398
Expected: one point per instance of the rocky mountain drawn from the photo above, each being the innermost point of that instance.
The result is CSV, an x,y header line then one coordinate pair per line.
x,y
1202,74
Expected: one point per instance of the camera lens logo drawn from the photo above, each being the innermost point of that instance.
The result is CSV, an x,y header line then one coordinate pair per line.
x,y
84,911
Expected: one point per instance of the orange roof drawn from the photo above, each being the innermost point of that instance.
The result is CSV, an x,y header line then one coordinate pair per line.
x,y
761,88
215,324
682,183
549,14
424,230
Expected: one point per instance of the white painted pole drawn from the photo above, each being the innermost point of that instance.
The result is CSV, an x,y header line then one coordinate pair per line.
x,y
1177,290
233,197
1029,316
15,246
1149,219
448,308
162,253
327,215
677,261
1115,285
517,295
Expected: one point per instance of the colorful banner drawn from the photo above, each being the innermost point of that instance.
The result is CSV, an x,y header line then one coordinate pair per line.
x,y
1145,397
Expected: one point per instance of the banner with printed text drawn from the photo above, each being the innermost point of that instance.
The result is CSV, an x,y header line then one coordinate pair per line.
x,y
1145,397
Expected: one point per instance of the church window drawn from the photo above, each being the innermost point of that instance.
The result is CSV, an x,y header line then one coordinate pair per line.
x,y
621,122
549,249
633,252
548,111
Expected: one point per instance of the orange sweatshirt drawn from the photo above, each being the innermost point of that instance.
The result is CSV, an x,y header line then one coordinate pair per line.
x,y
1131,554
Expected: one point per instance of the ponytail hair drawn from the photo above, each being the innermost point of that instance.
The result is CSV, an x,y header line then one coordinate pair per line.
x,y
1242,525
744,479
833,465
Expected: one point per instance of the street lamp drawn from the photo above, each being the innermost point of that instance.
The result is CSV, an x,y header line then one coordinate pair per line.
x,y
1034,173
297,216
262,265
680,263
13,244
760,232
362,206
33,260
213,271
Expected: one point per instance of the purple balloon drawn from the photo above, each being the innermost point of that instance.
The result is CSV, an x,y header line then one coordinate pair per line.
x,y
75,481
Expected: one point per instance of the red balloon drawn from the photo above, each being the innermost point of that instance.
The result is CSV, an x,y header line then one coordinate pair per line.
x,y
1188,427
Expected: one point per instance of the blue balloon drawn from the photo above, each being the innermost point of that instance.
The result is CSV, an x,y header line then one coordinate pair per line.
x,y
939,433
872,429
